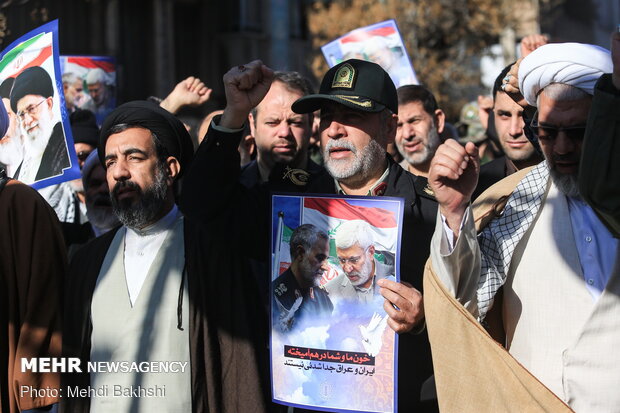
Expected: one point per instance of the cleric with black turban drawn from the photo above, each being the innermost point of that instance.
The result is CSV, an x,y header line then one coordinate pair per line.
x,y
166,127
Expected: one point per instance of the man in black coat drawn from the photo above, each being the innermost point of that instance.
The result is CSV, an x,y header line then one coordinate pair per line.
x,y
358,119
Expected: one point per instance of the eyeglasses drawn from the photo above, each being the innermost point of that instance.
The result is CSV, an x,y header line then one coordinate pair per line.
x,y
30,110
351,260
550,132
82,155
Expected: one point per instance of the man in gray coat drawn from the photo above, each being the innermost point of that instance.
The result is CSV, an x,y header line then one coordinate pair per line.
x,y
361,271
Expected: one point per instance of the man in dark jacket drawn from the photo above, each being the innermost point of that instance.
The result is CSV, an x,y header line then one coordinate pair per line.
x,y
358,105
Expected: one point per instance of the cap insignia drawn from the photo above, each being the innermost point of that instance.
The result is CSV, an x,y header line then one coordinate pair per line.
x,y
344,77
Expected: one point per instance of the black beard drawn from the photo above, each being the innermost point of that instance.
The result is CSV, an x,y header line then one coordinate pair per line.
x,y
141,213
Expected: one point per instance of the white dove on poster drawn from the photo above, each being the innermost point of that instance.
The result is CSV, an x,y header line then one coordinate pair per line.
x,y
372,334
286,317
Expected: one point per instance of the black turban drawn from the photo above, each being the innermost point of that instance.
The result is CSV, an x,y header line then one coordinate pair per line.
x,y
170,131
5,88
84,127
32,81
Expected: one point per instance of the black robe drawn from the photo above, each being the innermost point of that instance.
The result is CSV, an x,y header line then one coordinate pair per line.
x,y
55,157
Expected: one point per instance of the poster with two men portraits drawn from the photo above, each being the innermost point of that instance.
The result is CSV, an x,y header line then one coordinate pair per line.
x,y
331,347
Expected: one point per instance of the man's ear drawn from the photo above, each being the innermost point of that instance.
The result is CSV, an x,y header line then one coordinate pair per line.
x,y
249,143
300,252
440,120
371,250
174,168
391,126
50,102
252,121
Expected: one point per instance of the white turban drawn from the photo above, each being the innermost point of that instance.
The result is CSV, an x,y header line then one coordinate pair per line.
x,y
576,64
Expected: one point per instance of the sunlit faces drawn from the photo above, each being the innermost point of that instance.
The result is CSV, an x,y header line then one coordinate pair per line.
x,y
357,264
354,142
508,116
281,135
35,116
417,137
313,263
139,183
562,152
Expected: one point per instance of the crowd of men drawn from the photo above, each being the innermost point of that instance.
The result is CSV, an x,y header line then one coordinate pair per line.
x,y
160,252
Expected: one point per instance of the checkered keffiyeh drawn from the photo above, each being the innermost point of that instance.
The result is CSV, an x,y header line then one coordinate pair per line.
x,y
498,239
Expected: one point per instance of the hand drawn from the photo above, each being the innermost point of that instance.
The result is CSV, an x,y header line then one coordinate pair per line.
x,y
245,86
409,302
510,84
615,58
453,176
189,92
531,43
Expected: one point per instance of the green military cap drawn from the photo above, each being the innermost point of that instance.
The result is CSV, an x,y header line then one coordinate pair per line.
x,y
354,83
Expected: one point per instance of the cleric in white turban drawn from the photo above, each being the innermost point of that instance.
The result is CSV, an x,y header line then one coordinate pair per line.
x,y
575,64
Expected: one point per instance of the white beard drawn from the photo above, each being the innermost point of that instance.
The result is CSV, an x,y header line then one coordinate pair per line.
x,y
11,152
36,140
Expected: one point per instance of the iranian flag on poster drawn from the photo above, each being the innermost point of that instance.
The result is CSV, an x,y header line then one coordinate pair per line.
x,y
329,214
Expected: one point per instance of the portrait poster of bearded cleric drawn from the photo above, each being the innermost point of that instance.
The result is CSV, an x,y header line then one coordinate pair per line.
x,y
329,331
38,147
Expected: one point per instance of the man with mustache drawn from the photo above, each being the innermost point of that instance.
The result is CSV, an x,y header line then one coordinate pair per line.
x,y
296,292
45,150
162,287
359,106
361,271
420,121
555,261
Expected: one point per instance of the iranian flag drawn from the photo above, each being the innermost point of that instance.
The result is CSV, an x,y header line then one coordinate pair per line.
x,y
328,214
36,51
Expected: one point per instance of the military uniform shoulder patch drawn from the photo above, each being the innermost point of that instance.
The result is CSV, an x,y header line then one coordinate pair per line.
x,y
428,190
298,177
280,289
344,77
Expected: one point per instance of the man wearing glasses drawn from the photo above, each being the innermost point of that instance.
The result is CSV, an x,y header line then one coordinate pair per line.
x,y
550,254
361,271
45,150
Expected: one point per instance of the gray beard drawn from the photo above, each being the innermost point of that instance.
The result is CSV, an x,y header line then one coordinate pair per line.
x,y
363,273
102,218
307,273
361,166
427,153
567,184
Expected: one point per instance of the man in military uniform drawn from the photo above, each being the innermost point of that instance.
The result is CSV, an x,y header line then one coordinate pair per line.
x,y
361,271
296,292
359,107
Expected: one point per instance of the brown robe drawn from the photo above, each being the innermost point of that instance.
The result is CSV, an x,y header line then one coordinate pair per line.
x,y
227,325
32,266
